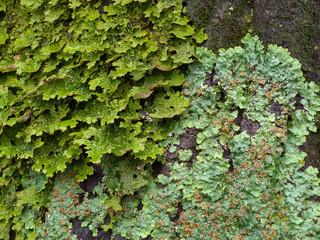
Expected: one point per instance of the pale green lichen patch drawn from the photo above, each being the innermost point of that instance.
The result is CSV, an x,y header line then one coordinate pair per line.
x,y
245,181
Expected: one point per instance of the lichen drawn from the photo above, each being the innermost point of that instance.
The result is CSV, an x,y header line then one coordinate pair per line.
x,y
81,80
239,184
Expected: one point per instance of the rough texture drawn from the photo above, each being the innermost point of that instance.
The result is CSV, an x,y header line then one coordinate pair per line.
x,y
225,22
294,25
291,24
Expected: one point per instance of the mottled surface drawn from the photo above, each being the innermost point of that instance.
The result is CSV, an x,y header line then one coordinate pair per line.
x,y
225,22
294,25
291,24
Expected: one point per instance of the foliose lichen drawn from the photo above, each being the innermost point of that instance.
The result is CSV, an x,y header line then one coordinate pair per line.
x,y
94,82
81,80
245,181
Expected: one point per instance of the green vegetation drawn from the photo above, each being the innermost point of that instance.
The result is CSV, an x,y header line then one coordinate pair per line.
x,y
77,80
244,180
87,83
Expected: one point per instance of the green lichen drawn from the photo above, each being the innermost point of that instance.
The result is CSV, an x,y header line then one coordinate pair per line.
x,y
89,84
81,80
294,25
245,181
65,206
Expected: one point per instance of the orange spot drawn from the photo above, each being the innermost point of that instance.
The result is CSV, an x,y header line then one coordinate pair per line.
x,y
268,94
230,135
267,146
72,195
257,164
228,229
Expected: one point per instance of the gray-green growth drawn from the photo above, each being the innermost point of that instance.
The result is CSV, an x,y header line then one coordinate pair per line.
x,y
245,182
